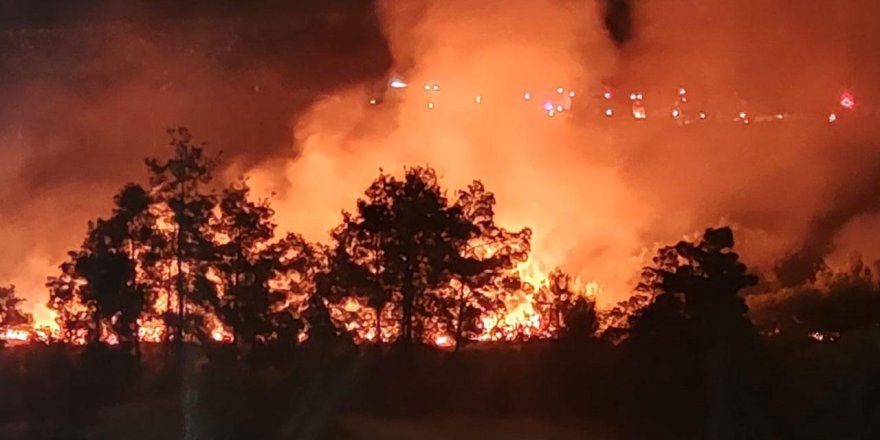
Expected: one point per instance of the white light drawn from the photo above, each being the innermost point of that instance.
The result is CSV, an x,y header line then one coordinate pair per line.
x,y
702,115
609,112
780,116
436,87
527,96
373,101
682,91
397,84
676,113
832,118
430,105
606,95
560,108
479,99
632,96
427,87
742,115
551,113
571,94
560,90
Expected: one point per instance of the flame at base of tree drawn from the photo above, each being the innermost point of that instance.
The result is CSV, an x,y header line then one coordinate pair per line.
x,y
174,261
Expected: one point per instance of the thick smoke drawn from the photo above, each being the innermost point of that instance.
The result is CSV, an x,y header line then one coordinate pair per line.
x,y
601,193
89,89
90,94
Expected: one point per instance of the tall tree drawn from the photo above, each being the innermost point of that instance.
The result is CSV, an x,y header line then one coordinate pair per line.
x,y
264,282
178,183
493,254
405,242
100,289
698,313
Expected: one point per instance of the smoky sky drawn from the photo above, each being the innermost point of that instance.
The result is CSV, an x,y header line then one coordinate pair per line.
x,y
89,87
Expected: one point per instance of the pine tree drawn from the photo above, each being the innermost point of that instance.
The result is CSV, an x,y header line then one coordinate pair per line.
x,y
178,182
407,243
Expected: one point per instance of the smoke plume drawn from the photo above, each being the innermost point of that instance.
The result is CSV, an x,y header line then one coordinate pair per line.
x,y
287,96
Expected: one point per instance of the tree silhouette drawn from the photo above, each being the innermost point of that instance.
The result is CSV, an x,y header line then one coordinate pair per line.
x,y
699,283
99,289
576,311
697,317
488,272
177,183
405,242
264,282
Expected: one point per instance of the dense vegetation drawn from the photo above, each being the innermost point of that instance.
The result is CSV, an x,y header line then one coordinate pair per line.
x,y
685,357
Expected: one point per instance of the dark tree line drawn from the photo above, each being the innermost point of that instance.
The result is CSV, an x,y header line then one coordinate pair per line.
x,y
681,358
196,257
184,256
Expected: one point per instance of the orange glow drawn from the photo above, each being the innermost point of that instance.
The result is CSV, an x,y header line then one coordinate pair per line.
x,y
16,336
444,341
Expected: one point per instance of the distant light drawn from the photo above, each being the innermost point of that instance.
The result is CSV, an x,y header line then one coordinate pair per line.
x,y
560,90
436,87
702,115
676,113
632,96
527,96
742,115
682,91
606,95
548,106
571,94
373,101
560,108
430,105
780,116
427,87
847,101
551,113
832,118
397,84
639,113
609,112
479,99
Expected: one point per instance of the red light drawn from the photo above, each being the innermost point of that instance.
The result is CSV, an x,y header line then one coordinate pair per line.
x,y
847,101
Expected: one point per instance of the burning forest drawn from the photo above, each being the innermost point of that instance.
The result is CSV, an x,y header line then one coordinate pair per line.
x,y
396,219
180,260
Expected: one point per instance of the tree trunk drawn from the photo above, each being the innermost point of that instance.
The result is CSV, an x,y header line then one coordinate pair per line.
x,y
408,296
459,327
181,296
379,325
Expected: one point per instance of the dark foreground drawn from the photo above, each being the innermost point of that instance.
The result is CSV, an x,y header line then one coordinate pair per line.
x,y
555,390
